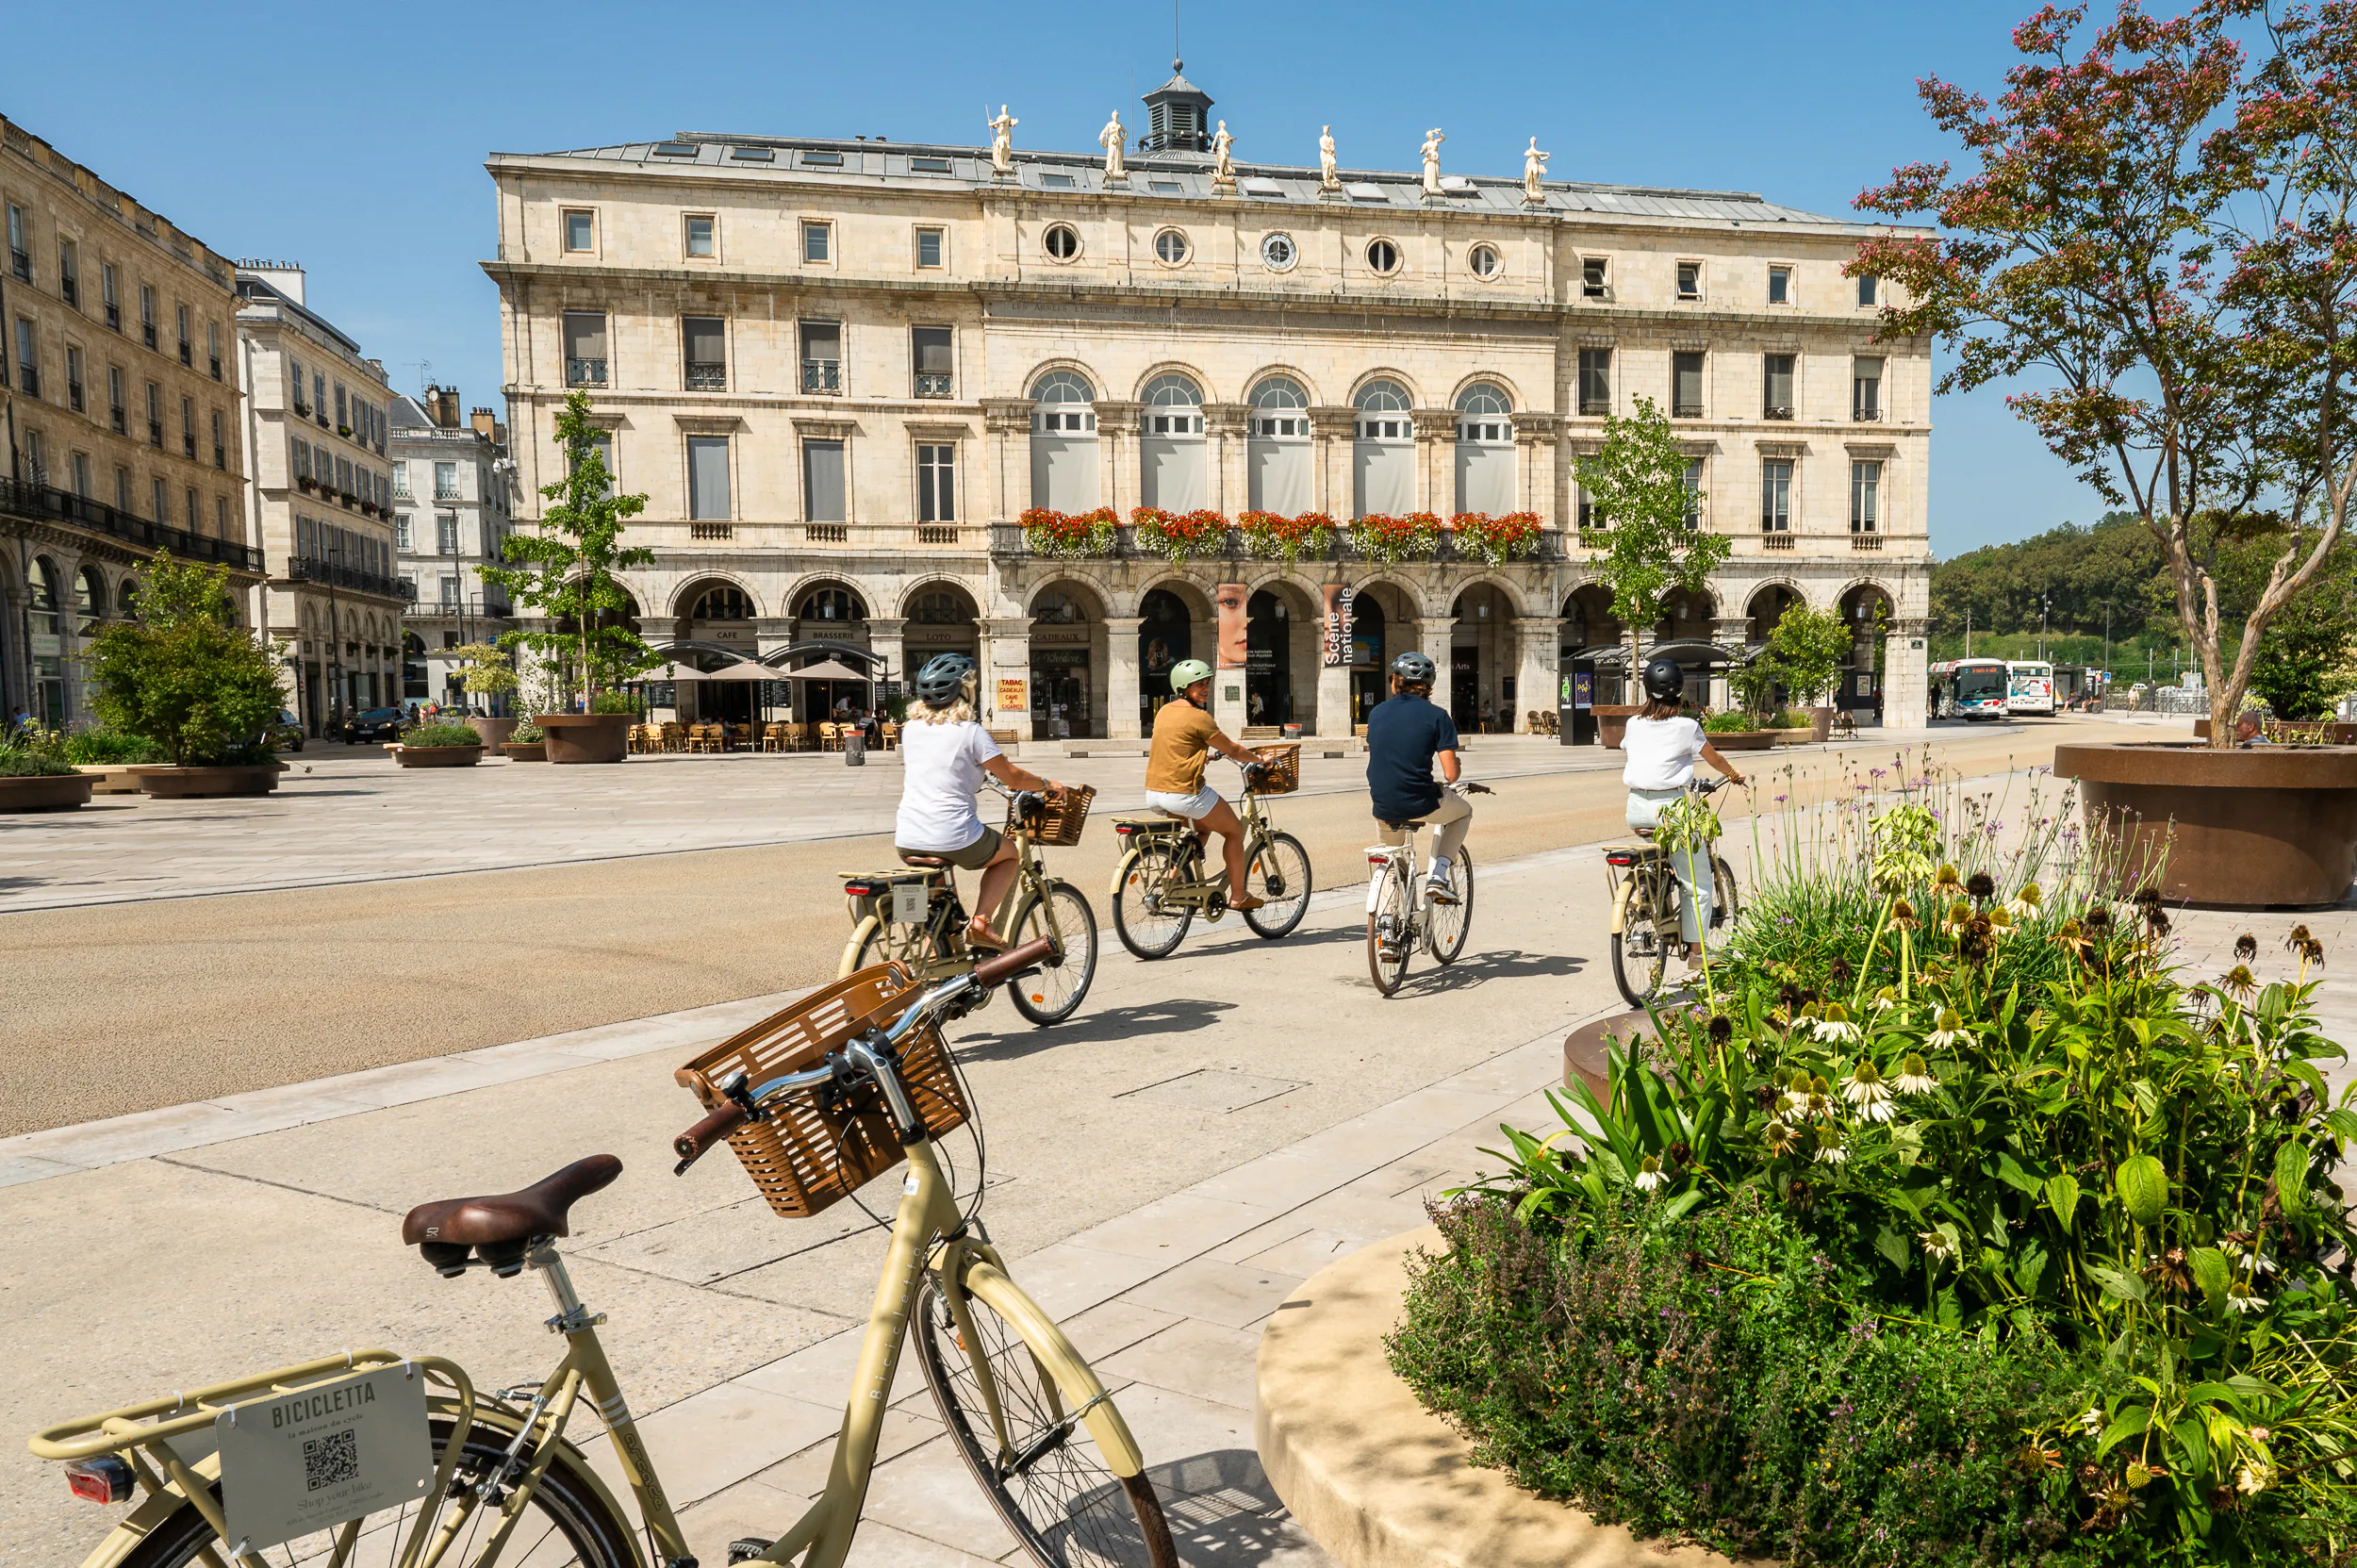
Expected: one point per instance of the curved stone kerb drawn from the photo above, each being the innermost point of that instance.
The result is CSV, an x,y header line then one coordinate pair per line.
x,y
1376,1480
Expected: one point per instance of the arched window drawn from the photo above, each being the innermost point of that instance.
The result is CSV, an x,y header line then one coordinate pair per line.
x,y
413,680
1281,410
127,599
1064,444
1057,609
1066,405
48,593
1174,405
1171,469
1384,456
89,602
1485,450
1277,459
1481,413
722,602
836,604
942,607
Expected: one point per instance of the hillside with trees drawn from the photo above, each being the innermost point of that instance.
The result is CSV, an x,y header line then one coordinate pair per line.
x,y
2082,574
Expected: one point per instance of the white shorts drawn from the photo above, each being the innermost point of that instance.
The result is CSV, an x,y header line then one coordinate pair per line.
x,y
1192,807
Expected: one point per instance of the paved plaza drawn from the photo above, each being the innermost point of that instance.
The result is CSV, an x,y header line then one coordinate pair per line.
x,y
1161,1172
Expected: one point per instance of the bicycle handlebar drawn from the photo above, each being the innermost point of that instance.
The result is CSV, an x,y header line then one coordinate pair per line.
x,y
692,1144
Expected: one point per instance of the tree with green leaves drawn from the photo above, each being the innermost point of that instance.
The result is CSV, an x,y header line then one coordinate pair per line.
x,y
1638,484
485,670
184,675
1807,647
564,567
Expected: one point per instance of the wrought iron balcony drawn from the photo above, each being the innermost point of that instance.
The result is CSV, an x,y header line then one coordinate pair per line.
x,y
311,569
932,384
47,504
822,375
584,372
707,378
1778,411
1866,410
1592,406
1685,411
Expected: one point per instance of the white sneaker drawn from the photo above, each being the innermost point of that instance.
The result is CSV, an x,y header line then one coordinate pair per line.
x,y
1439,891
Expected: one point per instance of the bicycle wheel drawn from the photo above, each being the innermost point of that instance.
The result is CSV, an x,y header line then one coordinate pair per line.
x,y
1726,904
1053,994
1391,930
1446,924
1145,926
1280,874
1639,956
566,1522
1049,1483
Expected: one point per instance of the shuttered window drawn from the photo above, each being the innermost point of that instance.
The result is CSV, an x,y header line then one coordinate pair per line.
x,y
708,476
822,483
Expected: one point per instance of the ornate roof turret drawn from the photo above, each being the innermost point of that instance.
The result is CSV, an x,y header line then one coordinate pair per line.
x,y
1178,116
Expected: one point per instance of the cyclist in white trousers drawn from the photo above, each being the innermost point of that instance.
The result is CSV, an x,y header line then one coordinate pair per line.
x,y
1661,744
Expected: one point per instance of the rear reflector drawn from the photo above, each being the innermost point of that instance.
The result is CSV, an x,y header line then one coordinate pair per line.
x,y
1621,857
865,889
104,1480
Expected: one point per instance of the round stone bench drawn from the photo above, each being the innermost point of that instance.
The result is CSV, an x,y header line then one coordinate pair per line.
x,y
1376,1480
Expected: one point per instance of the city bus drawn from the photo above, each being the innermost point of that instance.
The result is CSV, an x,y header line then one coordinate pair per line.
x,y
1970,688
2030,687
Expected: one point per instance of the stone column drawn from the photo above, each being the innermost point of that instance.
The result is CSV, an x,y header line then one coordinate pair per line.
x,y
1535,439
1333,701
1227,426
1007,457
1117,482
1730,633
1538,639
1435,460
1121,677
1906,683
1332,427
1438,635
1007,656
887,635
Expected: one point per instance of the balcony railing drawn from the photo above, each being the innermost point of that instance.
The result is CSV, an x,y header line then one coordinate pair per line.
x,y
712,533
1007,540
932,538
826,532
47,504
584,372
936,533
932,384
221,456
188,443
311,569
1685,411
156,434
1775,541
1592,406
707,378
215,361
73,396
1866,541
822,375
1778,411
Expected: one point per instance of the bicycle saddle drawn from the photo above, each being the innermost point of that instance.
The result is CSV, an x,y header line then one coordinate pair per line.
x,y
930,863
502,1218
1405,827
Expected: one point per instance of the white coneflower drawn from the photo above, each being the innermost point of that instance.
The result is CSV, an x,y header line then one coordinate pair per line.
x,y
1836,1026
2237,1246
1866,1089
1820,1106
1796,1095
2242,1300
2091,1420
1937,1244
1915,1076
1831,1150
2254,1477
1948,1031
1885,1000
1648,1174
2023,905
1781,1136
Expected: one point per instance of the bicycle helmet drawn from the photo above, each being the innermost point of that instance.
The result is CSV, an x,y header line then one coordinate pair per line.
x,y
942,682
1415,669
1664,680
1186,672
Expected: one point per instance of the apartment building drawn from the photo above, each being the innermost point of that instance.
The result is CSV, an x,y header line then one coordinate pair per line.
x,y
844,371
454,501
119,404
318,498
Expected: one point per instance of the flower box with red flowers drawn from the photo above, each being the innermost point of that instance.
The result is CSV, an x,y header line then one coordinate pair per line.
x,y
1275,537
1179,536
1048,531
1389,540
1496,540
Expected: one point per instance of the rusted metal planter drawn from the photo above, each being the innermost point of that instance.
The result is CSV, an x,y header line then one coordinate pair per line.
x,y
587,737
2268,827
46,792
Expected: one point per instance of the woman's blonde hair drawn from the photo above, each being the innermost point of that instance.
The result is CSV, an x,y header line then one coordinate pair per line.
x,y
959,712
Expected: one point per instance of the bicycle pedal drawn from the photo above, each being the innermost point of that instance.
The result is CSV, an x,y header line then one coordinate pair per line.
x,y
747,1550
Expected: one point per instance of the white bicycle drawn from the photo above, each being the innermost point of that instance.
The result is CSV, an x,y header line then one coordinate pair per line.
x,y
1400,914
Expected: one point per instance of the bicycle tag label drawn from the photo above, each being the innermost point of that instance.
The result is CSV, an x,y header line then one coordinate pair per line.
x,y
908,903
306,1460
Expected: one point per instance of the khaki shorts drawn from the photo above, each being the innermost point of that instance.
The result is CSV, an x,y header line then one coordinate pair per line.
x,y
972,858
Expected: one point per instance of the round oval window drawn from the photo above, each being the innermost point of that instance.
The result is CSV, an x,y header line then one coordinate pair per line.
x,y
1062,243
1277,252
1484,261
1383,256
1170,246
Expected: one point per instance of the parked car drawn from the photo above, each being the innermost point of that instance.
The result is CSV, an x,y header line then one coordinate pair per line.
x,y
375,725
284,734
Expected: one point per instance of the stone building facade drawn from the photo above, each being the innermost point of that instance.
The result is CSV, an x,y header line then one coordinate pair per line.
x,y
321,499
120,411
843,370
454,501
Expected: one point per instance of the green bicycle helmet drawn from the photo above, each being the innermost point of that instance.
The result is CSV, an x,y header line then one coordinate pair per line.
x,y
1186,672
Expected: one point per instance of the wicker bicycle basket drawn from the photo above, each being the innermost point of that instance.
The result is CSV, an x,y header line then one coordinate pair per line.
x,y
1061,818
1280,768
817,1150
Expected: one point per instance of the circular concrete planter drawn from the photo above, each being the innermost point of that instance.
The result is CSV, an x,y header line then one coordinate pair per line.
x,y
46,792
1741,740
437,756
493,731
587,737
526,750
1612,722
164,781
2272,826
1377,1480
1794,738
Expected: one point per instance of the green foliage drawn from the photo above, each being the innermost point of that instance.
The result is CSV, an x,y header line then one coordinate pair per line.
x,y
564,567
1638,481
30,752
442,734
614,702
1730,722
486,670
1808,648
2077,570
183,676
1786,719
527,732
100,746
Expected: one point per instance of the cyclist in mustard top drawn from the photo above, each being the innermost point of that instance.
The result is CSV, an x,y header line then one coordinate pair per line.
x,y
1184,739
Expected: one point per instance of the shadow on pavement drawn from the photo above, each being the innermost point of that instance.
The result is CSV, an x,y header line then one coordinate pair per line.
x,y
1222,1509
1481,969
1015,1039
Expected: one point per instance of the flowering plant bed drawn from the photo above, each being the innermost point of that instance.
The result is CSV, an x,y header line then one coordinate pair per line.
x,y
1049,532
1954,1222
1496,540
1179,536
1273,538
1389,540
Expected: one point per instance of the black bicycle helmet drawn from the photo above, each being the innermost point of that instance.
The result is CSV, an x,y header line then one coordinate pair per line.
x,y
1664,680
1415,669
942,682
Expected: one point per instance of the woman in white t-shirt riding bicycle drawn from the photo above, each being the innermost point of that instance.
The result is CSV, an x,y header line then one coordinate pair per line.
x,y
1661,745
943,755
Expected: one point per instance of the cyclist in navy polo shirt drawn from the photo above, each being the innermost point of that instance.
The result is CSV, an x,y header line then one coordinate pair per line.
x,y
1409,740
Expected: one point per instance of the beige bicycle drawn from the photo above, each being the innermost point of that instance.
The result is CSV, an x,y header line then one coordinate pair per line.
x,y
504,1484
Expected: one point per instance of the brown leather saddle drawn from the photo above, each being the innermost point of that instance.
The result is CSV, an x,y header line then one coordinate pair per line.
x,y
501,1227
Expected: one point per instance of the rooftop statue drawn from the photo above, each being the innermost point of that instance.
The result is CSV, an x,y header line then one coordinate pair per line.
x,y
1223,156
1534,170
1113,137
1002,142
1432,139
1328,178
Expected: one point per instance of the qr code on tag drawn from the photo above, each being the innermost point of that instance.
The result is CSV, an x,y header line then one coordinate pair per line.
x,y
331,1460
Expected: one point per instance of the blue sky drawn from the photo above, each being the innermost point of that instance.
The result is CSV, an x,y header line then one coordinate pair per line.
x,y
354,142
